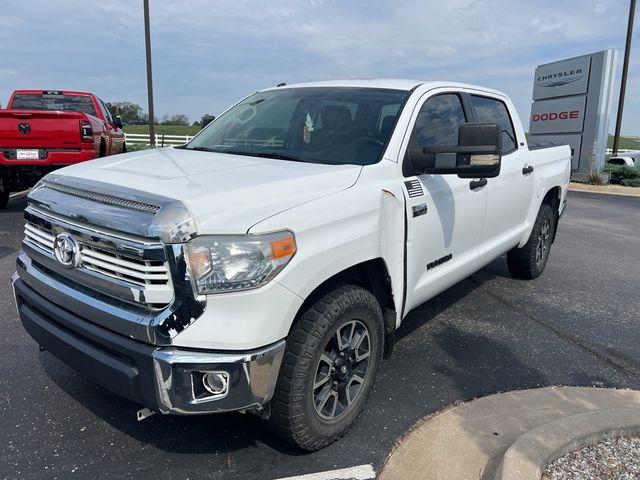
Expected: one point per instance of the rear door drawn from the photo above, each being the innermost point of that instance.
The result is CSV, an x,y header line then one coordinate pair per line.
x,y
444,214
509,194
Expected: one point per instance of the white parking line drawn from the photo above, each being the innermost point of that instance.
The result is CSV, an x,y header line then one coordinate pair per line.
x,y
362,472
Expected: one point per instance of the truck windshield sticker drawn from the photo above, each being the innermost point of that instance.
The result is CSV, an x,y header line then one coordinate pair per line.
x,y
308,128
309,123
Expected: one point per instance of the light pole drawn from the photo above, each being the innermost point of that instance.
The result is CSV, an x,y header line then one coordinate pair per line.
x,y
623,83
147,41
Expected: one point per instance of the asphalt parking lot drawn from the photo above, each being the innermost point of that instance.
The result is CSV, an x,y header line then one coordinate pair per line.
x,y
578,324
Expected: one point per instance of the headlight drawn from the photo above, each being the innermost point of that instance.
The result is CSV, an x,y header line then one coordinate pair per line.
x,y
222,263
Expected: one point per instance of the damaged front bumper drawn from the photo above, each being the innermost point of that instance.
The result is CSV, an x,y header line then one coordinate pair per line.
x,y
163,379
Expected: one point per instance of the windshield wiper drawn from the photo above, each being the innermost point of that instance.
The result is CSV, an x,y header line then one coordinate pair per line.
x,y
276,155
202,149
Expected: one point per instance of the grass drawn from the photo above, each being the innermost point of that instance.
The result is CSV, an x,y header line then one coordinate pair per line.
x,y
626,143
594,179
163,129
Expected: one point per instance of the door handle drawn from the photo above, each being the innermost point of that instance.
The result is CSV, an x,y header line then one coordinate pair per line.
x,y
473,184
527,169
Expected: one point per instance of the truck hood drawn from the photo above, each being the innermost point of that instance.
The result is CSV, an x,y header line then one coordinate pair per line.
x,y
224,193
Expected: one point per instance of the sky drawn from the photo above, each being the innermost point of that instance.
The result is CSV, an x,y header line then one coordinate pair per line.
x,y
208,54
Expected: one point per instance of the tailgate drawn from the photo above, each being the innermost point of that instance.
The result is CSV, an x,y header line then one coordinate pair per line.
x,y
40,129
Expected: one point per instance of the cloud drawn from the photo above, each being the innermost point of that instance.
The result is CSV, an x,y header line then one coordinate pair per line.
x,y
207,54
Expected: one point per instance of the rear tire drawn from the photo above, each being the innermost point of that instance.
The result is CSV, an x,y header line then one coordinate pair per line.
x,y
529,261
332,356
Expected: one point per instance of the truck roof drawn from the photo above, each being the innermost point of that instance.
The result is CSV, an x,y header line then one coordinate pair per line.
x,y
391,83
35,92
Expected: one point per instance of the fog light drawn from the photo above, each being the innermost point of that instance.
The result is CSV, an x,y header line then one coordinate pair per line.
x,y
216,383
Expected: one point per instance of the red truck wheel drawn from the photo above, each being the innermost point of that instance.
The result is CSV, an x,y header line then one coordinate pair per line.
x,y
4,198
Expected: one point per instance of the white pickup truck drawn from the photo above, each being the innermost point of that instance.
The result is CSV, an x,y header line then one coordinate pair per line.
x,y
265,266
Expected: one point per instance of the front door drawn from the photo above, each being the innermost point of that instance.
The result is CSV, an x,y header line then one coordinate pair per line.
x,y
444,213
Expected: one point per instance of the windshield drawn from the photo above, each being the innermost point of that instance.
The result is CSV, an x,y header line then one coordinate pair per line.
x,y
322,125
53,102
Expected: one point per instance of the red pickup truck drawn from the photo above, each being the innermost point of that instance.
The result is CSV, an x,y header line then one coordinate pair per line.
x,y
42,130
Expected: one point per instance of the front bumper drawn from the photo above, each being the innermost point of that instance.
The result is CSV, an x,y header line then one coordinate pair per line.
x,y
48,156
163,379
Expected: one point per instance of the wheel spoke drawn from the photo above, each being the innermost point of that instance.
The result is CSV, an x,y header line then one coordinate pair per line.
x,y
326,359
334,394
325,399
322,381
354,379
323,374
342,344
357,347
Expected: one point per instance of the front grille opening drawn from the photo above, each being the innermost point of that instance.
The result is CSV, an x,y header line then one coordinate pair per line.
x,y
151,277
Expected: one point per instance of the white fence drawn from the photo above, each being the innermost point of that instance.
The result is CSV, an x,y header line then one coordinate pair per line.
x,y
620,151
161,139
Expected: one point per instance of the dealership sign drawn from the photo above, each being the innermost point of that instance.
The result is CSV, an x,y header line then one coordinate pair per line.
x,y
564,115
571,105
569,77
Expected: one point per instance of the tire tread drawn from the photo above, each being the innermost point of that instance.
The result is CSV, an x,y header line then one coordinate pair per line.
x,y
287,417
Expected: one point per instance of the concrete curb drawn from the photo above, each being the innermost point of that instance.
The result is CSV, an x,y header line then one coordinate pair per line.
x,y
605,189
471,440
530,454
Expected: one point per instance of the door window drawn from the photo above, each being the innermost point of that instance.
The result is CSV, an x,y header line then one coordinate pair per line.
x,y
492,110
437,125
105,111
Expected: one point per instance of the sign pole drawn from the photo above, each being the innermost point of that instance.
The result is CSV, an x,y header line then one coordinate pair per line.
x,y
623,83
147,41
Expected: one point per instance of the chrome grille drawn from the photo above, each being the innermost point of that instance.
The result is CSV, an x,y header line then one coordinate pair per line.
x,y
151,277
39,237
140,272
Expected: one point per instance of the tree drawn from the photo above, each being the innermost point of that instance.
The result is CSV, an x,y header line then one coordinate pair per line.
x,y
129,111
144,119
179,119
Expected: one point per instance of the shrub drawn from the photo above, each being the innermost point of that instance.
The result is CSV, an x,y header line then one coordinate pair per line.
x,y
136,147
634,182
624,174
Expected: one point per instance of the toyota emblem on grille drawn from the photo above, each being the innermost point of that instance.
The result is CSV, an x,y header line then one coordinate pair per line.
x,y
24,128
66,250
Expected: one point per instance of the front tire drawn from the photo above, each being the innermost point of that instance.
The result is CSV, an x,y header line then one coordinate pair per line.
x,y
332,356
529,261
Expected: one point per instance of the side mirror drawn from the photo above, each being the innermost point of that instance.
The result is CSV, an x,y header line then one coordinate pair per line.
x,y
118,121
477,154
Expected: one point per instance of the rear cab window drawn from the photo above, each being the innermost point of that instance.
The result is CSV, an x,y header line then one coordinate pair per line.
x,y
53,101
492,110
